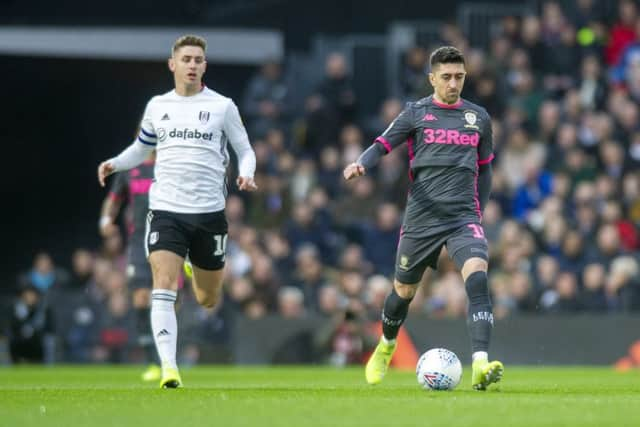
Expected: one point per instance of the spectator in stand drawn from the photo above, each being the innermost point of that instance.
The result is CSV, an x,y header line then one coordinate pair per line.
x,y
291,303
81,270
521,291
413,85
331,301
266,103
116,330
532,42
330,171
304,228
352,260
310,274
279,251
358,205
574,253
389,110
44,275
592,86
333,103
380,238
31,327
608,244
566,300
536,187
519,155
265,280
623,286
623,33
592,297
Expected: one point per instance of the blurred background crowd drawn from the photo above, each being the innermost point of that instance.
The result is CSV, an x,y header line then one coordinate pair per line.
x,y
563,89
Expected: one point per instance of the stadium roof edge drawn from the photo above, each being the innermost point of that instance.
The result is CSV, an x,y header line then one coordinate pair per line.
x,y
229,45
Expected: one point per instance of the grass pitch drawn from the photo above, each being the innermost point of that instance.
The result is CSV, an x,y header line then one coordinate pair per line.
x,y
317,396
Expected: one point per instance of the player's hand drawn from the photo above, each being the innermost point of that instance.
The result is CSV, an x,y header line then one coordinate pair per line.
x,y
353,170
246,183
104,170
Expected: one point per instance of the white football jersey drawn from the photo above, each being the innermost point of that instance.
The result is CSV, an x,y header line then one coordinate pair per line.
x,y
190,135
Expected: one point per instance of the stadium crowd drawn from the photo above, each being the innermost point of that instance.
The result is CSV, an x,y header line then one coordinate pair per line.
x,y
563,90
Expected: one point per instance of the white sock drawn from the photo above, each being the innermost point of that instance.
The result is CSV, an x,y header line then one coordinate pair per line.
x,y
388,342
482,355
164,325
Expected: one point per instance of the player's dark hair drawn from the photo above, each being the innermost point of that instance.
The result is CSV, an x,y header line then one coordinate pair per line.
x,y
446,55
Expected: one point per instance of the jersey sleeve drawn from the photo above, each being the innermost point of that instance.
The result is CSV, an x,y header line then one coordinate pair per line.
x,y
233,127
239,140
147,134
119,187
400,129
485,148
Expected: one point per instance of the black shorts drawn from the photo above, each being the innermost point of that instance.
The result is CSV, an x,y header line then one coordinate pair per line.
x,y
201,236
416,253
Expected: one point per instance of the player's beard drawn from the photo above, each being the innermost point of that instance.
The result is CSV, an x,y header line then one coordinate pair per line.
x,y
452,97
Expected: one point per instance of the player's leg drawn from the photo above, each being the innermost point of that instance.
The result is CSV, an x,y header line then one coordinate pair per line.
x,y
480,324
165,266
166,243
394,312
207,285
207,258
469,250
412,259
396,308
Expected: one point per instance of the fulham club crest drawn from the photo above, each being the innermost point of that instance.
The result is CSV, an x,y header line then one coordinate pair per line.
x,y
153,238
204,116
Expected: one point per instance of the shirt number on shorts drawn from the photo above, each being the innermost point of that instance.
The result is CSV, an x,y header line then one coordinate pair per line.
x,y
221,244
478,232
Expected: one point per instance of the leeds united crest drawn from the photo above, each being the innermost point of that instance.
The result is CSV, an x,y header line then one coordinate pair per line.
x,y
471,118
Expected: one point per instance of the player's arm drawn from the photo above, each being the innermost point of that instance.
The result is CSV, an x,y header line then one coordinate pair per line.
x,y
112,204
133,155
234,129
396,134
485,172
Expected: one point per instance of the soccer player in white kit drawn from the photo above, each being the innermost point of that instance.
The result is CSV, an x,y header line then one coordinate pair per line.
x,y
189,127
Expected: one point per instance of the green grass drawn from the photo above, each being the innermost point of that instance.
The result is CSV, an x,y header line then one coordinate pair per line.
x,y
296,396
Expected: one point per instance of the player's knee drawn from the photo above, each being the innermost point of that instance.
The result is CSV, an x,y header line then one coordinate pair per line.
x,y
405,291
473,265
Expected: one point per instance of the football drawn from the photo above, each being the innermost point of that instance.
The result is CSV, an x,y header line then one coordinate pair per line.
x,y
439,369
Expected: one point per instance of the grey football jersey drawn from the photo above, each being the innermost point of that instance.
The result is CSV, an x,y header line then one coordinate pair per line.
x,y
446,146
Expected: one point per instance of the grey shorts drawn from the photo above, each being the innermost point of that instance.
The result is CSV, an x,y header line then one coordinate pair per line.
x,y
416,253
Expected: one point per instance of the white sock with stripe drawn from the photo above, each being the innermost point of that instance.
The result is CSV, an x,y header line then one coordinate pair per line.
x,y
164,325
480,355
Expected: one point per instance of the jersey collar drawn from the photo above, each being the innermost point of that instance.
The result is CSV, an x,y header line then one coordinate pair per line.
x,y
447,106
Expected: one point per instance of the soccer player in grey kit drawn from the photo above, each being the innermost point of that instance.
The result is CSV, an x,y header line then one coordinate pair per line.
x,y
450,151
